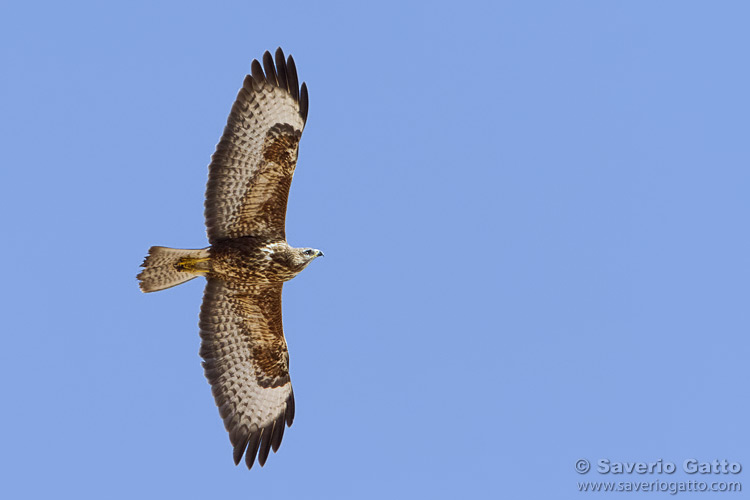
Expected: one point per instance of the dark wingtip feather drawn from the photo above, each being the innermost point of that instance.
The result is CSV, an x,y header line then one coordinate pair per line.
x,y
278,433
257,72
246,84
270,69
265,444
239,450
303,102
289,409
291,76
252,449
281,69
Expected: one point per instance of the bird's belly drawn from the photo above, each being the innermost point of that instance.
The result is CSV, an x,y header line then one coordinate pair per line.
x,y
246,264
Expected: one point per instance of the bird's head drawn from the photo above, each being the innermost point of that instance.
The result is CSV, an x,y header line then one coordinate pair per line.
x,y
293,259
307,255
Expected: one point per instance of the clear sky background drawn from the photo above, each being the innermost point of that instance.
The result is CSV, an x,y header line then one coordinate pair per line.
x,y
535,221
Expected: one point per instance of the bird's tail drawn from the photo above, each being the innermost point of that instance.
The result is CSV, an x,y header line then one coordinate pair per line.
x,y
168,267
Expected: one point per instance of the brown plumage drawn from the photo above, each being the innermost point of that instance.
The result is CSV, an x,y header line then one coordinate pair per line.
x,y
243,347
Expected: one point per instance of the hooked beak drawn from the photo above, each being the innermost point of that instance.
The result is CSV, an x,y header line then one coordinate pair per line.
x,y
320,254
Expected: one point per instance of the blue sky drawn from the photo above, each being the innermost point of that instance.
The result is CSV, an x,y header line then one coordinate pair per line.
x,y
534,216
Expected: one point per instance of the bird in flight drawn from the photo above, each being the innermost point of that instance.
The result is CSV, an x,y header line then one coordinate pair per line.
x,y
244,352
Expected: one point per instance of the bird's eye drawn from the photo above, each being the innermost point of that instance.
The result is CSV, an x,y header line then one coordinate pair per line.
x,y
308,252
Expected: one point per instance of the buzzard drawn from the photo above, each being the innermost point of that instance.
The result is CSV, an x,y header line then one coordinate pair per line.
x,y
242,340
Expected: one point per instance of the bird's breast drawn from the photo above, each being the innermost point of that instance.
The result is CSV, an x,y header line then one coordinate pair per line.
x,y
248,260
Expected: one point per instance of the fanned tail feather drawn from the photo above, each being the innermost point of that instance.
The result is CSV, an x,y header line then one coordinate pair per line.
x,y
168,267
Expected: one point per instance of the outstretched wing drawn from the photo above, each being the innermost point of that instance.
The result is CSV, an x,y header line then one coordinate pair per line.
x,y
252,168
247,364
